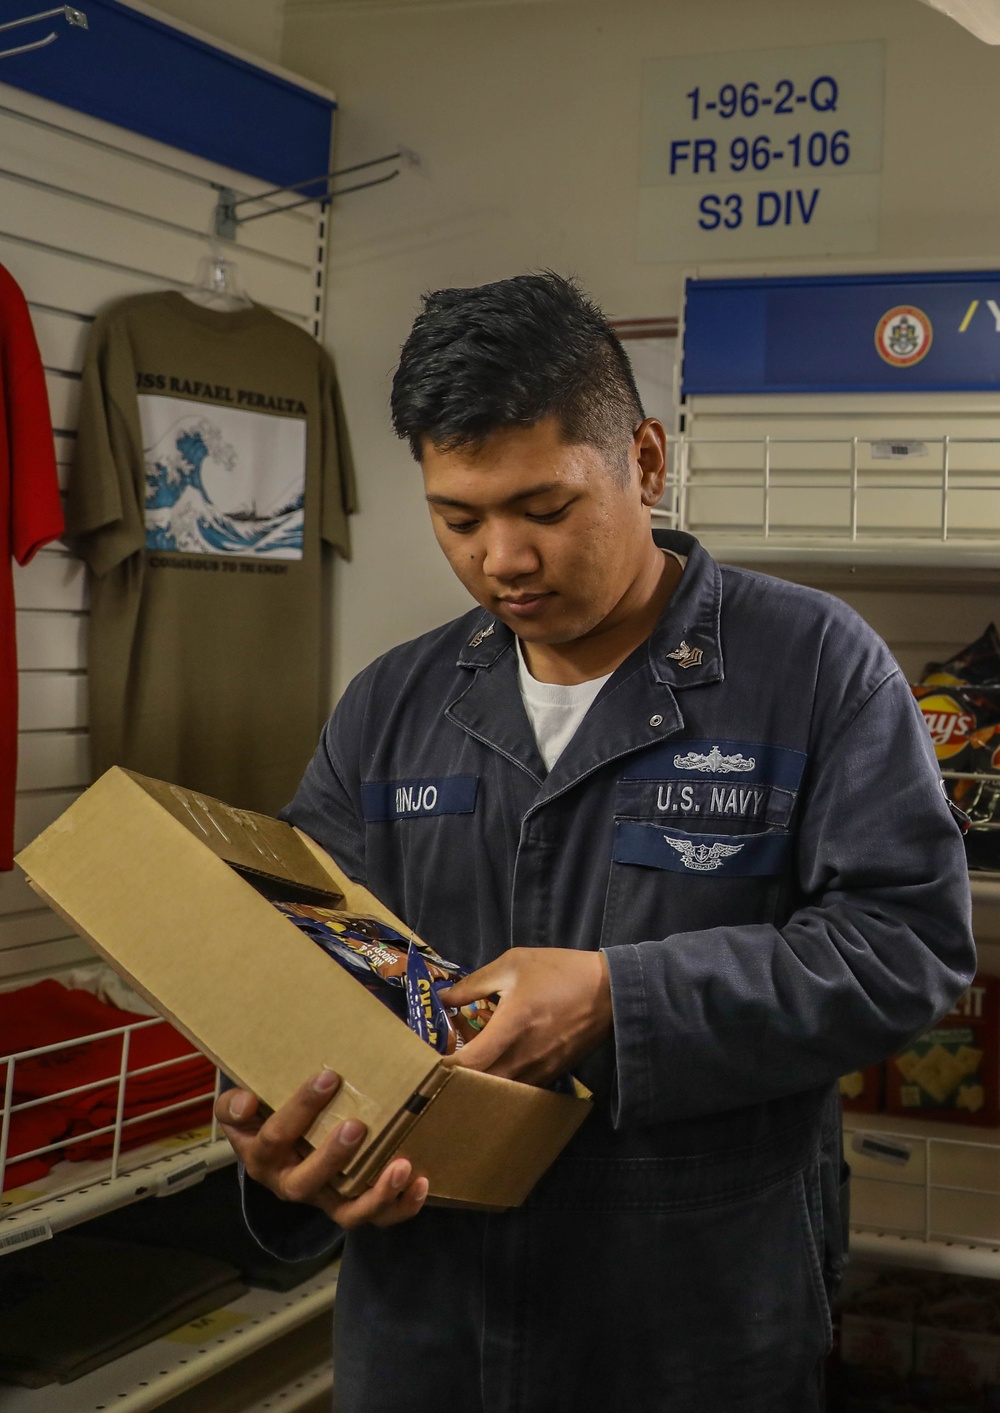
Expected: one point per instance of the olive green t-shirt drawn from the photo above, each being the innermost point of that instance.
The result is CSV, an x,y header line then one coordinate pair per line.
x,y
212,465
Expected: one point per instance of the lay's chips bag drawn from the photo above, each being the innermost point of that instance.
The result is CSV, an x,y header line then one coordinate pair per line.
x,y
960,702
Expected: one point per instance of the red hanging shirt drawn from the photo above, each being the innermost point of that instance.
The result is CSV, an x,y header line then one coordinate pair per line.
x,y
30,510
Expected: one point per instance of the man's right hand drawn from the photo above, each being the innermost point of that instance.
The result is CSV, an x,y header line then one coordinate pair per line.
x,y
267,1149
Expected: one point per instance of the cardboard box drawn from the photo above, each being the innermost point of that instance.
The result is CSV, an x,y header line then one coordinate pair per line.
x,y
951,1073
172,889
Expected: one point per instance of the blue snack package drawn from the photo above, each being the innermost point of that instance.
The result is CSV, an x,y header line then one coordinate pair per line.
x,y
426,1014
367,949
405,975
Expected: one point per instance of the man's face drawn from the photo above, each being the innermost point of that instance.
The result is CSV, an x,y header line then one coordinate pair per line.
x,y
542,533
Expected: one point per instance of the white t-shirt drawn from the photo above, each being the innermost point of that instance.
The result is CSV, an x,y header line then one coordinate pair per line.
x,y
555,710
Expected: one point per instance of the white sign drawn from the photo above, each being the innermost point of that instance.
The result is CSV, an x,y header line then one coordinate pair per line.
x,y
757,154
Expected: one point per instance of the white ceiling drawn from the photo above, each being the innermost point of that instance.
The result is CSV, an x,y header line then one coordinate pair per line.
x,y
348,7
981,17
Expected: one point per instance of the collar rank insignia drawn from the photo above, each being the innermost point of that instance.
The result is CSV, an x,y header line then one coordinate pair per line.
x,y
481,636
702,858
685,656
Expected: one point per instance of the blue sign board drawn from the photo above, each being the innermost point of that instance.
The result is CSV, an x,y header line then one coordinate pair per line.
x,y
930,332
152,78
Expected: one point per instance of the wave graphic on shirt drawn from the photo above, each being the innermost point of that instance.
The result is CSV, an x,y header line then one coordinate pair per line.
x,y
180,513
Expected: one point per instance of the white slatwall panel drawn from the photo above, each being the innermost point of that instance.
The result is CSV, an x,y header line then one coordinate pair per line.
x,y
89,214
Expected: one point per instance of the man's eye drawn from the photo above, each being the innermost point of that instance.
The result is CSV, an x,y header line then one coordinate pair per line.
x,y
461,527
550,516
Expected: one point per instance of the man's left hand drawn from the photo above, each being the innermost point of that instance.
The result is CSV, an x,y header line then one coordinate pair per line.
x,y
555,1008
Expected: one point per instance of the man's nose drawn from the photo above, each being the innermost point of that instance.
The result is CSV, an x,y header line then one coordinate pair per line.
x,y
509,554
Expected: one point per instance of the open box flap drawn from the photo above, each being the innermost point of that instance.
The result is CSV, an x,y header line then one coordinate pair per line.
x,y
254,842
512,1132
357,898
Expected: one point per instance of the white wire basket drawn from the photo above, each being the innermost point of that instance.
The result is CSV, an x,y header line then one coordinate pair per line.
x,y
924,1184
794,494
74,1191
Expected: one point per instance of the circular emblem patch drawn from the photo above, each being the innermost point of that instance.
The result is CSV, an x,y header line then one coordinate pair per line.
x,y
949,725
903,336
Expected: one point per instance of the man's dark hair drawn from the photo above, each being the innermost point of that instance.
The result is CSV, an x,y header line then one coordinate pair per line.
x,y
507,355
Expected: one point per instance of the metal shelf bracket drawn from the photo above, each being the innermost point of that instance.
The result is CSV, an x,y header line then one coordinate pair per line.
x,y
227,211
67,12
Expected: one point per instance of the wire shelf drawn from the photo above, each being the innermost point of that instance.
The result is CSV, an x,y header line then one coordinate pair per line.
x,y
182,1151
781,496
170,1366
924,1195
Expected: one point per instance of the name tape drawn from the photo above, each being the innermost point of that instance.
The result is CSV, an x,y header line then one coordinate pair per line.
x,y
419,799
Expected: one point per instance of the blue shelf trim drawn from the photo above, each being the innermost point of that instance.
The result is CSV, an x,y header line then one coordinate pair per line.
x,y
817,334
151,78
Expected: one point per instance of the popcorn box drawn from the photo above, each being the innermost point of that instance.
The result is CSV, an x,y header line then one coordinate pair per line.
x,y
861,1091
951,1073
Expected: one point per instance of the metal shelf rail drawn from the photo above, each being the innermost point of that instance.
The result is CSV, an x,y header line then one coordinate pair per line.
x,y
304,1392
75,1192
167,1367
780,496
953,1258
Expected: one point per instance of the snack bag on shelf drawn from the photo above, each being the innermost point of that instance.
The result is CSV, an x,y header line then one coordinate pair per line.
x,y
951,1073
960,702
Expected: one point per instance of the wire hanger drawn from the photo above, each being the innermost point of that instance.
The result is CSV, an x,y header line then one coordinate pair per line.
x,y
217,284
68,13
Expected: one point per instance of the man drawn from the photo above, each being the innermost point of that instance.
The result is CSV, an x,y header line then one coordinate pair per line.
x,y
688,823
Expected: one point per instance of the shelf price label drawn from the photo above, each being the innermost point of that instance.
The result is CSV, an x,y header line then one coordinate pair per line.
x,y
758,154
208,1327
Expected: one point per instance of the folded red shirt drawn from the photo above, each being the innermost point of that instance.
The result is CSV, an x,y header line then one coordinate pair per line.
x,y
47,1013
36,1128
83,1149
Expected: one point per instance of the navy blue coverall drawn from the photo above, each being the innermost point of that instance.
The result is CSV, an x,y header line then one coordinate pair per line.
x,y
750,822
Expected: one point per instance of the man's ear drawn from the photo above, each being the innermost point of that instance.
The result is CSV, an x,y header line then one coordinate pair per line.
x,y
650,449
